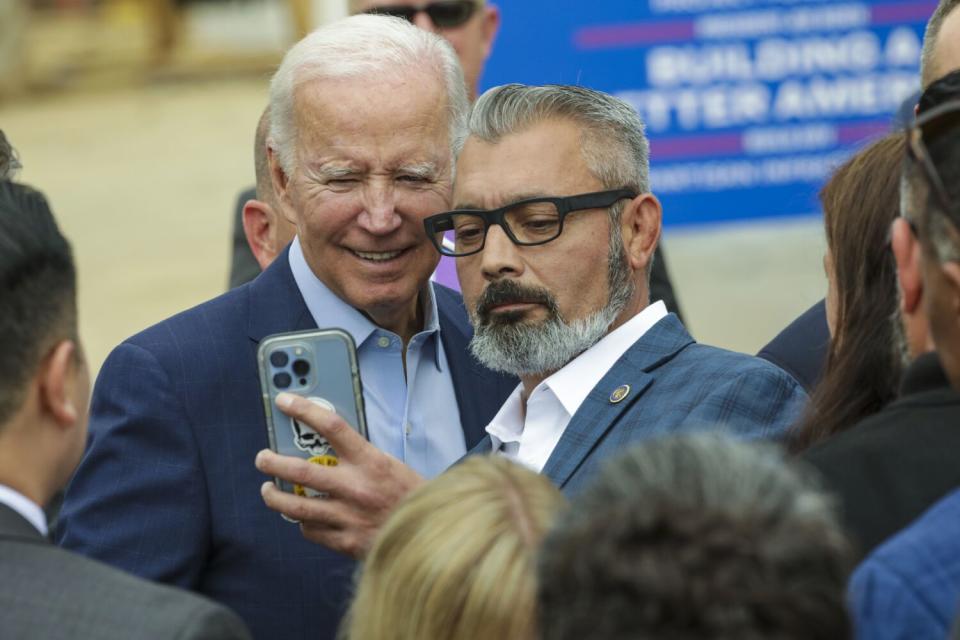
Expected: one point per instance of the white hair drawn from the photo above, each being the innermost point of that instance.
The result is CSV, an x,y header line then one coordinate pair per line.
x,y
362,46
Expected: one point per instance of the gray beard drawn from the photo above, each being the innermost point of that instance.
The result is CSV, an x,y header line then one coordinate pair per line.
x,y
511,346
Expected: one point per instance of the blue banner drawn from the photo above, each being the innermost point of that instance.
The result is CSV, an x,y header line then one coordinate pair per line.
x,y
749,104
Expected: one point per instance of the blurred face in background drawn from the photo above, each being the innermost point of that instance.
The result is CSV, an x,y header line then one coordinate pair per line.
x,y
470,26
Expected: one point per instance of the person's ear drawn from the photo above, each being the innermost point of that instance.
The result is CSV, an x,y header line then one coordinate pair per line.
x,y
906,252
259,225
57,377
640,227
491,25
278,176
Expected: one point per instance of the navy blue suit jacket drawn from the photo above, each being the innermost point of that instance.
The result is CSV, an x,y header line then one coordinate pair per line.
x,y
801,348
675,385
909,587
167,488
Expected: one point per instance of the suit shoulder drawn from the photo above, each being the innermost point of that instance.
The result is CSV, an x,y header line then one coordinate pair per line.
x,y
106,602
216,317
731,363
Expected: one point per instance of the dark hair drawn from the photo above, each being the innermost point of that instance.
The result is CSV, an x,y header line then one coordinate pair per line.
x,y
37,289
9,163
696,537
865,358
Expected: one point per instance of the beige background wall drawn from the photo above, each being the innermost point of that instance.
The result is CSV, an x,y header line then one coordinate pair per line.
x,y
143,177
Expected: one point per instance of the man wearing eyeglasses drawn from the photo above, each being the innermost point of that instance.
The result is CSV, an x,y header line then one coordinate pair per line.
x,y
363,116
909,587
553,231
470,26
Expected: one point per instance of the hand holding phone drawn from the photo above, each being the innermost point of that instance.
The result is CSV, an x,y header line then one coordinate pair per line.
x,y
320,365
363,489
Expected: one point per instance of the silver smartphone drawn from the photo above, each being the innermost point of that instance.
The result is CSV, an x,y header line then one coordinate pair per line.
x,y
320,365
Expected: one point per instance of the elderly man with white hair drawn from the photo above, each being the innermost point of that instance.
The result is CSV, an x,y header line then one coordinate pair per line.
x,y
363,114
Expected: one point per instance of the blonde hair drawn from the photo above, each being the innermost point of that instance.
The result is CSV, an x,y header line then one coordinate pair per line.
x,y
457,559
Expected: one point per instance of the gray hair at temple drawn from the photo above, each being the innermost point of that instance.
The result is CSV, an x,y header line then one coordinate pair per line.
x,y
9,163
696,536
928,69
361,46
614,145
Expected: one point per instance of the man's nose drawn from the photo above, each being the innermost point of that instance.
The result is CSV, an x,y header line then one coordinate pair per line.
x,y
500,257
422,20
379,215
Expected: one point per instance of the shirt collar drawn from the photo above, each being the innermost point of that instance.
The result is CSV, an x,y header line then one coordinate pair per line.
x,y
329,310
574,382
26,507
507,425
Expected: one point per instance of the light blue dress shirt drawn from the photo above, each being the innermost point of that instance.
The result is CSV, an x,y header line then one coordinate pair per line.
x,y
414,418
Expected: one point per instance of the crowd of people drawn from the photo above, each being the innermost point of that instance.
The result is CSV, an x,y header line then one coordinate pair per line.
x,y
549,453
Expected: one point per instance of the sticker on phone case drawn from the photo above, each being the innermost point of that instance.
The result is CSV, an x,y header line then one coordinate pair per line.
x,y
308,440
324,461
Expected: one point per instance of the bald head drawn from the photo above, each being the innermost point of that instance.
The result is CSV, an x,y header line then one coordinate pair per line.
x,y
941,43
261,164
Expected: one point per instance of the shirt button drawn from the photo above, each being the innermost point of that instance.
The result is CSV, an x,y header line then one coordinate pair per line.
x,y
408,429
383,341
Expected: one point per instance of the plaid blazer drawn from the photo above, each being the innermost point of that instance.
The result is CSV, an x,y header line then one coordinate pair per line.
x,y
167,488
675,384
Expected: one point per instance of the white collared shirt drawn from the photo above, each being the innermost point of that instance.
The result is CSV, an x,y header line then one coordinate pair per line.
x,y
26,507
530,437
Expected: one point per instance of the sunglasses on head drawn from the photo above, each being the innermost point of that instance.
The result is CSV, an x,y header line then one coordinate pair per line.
x,y
443,13
928,127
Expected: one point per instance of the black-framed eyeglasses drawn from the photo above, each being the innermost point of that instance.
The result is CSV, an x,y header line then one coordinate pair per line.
x,y
444,14
929,126
534,221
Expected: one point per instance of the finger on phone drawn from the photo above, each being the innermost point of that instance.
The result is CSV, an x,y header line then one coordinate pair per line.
x,y
320,513
344,440
292,469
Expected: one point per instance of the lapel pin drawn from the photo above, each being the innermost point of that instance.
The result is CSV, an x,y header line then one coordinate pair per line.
x,y
619,393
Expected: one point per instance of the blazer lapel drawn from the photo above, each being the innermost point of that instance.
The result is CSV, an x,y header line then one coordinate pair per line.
x,y
632,374
275,303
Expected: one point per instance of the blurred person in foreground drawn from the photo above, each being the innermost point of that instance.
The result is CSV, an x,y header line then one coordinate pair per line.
x,y
890,467
167,488
47,592
471,26
696,537
864,362
455,561
802,347
910,586
554,227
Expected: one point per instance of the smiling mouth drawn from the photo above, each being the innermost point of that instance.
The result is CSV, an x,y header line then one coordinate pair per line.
x,y
377,256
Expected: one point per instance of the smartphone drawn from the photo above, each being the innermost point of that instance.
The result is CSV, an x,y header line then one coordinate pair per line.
x,y
320,365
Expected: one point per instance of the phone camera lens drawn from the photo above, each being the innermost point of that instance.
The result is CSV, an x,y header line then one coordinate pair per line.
x,y
279,358
301,367
282,380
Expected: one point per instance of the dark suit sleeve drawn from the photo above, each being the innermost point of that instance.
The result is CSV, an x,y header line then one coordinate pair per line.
x,y
758,402
660,286
243,266
138,500
801,348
